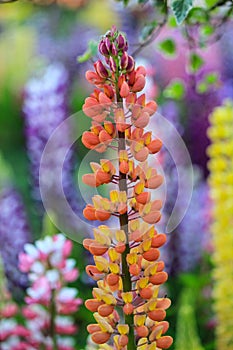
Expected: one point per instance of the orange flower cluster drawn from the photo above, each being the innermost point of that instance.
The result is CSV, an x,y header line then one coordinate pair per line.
x,y
128,312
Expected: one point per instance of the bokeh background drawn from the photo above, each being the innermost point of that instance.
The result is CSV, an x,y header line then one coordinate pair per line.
x,y
42,83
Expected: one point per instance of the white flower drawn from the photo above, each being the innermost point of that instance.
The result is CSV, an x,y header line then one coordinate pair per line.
x,y
45,245
53,276
70,264
56,258
31,250
38,268
64,321
65,341
67,293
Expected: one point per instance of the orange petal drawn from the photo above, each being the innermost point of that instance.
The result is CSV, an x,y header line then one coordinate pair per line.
x,y
163,303
90,180
152,217
155,146
104,136
146,293
102,215
90,138
160,266
139,83
164,324
93,272
105,310
97,249
142,331
100,337
102,177
142,155
124,90
93,328
87,242
123,340
164,342
89,212
151,107
124,167
141,100
154,182
93,78
151,255
141,70
109,127
112,279
143,197
134,269
142,121
93,304
103,99
157,314
120,247
158,278
128,309
156,205
158,240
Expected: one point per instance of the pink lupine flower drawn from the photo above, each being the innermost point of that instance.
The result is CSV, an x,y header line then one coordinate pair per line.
x,y
49,299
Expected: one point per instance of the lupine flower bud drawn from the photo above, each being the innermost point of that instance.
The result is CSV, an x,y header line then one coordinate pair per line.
x,y
103,48
112,64
130,65
108,44
121,42
124,60
101,70
114,51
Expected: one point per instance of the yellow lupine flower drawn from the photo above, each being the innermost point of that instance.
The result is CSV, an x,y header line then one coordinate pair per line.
x,y
123,328
221,184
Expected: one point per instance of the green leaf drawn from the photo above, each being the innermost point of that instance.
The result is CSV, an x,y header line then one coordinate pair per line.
x,y
175,90
48,227
207,30
195,62
167,47
172,22
202,87
181,9
89,53
197,15
212,78
148,30
211,2
5,172
209,81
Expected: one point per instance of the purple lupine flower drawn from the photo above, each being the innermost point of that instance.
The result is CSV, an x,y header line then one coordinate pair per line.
x,y
45,108
187,242
63,46
199,107
185,245
14,234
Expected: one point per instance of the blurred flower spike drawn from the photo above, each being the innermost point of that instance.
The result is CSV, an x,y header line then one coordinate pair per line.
x,y
221,190
50,302
128,312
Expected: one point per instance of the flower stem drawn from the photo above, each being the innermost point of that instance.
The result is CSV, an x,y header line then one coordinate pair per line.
x,y
126,279
52,320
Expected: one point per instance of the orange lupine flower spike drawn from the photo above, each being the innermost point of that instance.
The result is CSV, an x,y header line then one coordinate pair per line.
x,y
127,265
